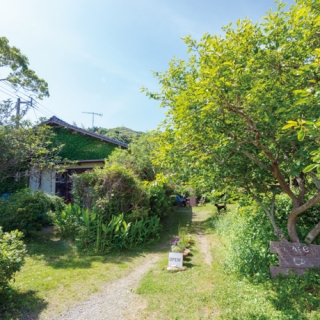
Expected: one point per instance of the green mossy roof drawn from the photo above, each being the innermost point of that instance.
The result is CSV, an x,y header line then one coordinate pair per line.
x,y
78,146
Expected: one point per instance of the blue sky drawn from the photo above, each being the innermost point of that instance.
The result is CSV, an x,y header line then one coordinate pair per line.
x,y
97,54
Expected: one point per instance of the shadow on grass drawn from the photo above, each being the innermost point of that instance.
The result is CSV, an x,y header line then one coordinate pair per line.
x,y
16,305
296,296
179,217
252,316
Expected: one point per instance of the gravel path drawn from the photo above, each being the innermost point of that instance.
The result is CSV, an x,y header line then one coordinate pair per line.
x,y
114,300
117,299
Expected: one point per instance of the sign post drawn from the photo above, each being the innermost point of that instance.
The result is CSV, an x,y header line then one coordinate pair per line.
x,y
296,257
175,259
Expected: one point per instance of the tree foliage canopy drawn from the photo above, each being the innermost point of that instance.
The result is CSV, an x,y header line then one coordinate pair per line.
x,y
137,158
22,147
228,104
19,74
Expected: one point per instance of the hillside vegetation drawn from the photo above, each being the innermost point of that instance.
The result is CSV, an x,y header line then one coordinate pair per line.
x,y
120,133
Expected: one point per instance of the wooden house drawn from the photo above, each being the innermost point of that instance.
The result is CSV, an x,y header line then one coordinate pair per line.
x,y
83,150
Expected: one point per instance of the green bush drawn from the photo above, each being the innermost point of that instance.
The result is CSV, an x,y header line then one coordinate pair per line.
x,y
12,254
159,199
117,234
113,210
247,234
12,185
110,191
28,211
69,220
93,235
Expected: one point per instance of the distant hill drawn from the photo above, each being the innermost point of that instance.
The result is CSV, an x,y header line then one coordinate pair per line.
x,y
120,133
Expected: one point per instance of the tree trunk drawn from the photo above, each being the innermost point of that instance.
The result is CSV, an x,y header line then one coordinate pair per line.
x,y
312,234
296,211
292,228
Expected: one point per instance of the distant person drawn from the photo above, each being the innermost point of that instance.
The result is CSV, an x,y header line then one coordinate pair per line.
x,y
181,200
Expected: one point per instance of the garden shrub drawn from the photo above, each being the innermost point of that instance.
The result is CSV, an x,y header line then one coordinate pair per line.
x,y
12,255
117,234
69,220
93,235
12,185
110,191
122,235
159,198
113,210
28,211
247,234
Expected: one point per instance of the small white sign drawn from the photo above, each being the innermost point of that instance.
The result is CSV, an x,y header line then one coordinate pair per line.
x,y
175,259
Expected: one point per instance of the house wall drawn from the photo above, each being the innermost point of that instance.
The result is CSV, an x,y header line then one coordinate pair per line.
x,y
51,183
44,180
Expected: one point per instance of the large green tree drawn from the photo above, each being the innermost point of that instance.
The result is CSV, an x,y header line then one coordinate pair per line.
x,y
228,104
15,70
22,147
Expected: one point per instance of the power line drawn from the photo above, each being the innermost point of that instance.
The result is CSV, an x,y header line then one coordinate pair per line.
x,y
8,94
16,89
42,111
43,106
46,112
35,113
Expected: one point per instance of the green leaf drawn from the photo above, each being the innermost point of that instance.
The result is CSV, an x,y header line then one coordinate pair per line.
x,y
301,134
310,167
289,125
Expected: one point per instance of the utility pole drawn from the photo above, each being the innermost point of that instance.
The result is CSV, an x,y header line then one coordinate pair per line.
x,y
19,102
93,114
18,112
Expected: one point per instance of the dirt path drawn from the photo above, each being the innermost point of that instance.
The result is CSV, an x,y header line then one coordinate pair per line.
x,y
117,299
204,247
203,243
113,301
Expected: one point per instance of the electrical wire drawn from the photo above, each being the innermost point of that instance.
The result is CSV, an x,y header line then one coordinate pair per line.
x,y
42,111
8,94
11,93
35,114
47,112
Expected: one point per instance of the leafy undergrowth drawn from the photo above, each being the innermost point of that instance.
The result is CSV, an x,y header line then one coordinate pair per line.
x,y
210,292
54,277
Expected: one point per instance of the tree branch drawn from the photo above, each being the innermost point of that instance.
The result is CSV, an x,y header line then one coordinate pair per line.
x,y
292,218
300,179
284,185
312,234
315,179
276,230
258,162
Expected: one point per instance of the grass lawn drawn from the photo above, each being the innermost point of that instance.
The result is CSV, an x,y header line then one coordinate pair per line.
x,y
54,277
209,292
